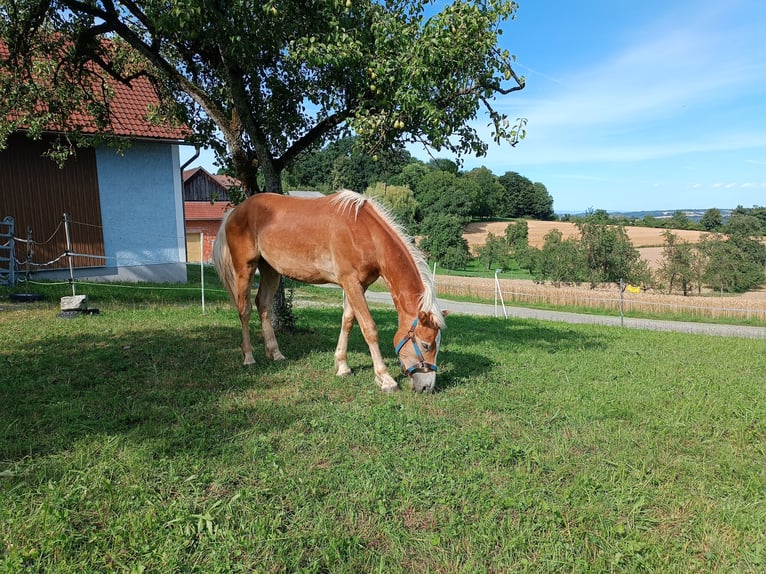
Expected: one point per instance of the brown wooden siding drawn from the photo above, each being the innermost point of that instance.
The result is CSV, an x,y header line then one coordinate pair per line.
x,y
37,193
201,187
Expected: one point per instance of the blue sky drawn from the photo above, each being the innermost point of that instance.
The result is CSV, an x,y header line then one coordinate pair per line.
x,y
637,105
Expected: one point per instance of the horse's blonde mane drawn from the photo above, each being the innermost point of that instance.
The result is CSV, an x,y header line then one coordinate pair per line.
x,y
351,200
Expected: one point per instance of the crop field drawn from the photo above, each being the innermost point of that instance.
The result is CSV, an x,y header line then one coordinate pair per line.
x,y
745,308
475,233
647,240
134,441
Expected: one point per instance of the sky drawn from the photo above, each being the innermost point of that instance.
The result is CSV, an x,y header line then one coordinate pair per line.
x,y
633,106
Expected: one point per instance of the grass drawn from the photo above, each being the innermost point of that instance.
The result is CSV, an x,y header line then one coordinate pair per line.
x,y
478,268
133,441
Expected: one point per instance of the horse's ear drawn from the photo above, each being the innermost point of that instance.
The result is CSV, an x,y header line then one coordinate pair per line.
x,y
427,319
445,312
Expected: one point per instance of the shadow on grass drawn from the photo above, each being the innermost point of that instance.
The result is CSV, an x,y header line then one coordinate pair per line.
x,y
178,388
183,388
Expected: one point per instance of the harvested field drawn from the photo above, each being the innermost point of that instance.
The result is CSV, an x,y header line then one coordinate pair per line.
x,y
476,233
744,307
647,240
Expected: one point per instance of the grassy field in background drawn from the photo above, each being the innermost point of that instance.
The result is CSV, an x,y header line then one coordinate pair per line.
x,y
134,441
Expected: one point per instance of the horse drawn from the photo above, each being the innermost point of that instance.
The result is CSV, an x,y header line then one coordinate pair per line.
x,y
347,239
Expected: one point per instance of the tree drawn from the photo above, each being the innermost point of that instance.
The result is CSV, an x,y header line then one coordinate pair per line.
x,y
728,268
679,220
443,192
494,251
488,195
542,203
356,170
678,263
263,82
517,232
609,254
443,241
711,220
397,198
560,259
746,233
524,198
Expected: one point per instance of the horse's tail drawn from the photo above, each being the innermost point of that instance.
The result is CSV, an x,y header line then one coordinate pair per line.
x,y
222,259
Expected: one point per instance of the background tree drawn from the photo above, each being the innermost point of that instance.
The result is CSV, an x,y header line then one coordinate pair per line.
x,y
397,198
678,265
560,260
608,253
711,220
444,192
755,211
494,252
357,171
728,269
517,235
487,192
263,82
443,241
524,198
679,220
542,203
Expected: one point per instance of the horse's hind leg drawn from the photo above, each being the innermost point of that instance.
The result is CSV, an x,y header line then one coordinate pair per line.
x,y
264,300
244,279
347,323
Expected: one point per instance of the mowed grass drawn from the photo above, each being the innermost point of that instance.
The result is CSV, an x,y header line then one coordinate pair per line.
x,y
134,441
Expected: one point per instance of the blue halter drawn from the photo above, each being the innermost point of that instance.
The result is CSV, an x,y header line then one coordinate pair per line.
x,y
421,364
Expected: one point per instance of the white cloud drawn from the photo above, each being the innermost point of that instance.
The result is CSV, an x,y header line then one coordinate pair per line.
x,y
657,98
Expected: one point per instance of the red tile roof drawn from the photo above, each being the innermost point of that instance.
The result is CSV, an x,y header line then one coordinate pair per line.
x,y
130,108
204,210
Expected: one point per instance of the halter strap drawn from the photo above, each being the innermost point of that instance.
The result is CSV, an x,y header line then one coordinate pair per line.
x,y
421,363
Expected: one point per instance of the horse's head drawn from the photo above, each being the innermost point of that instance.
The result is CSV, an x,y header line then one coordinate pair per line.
x,y
417,350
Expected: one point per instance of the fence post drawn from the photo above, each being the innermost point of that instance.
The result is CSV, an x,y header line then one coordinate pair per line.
x,y
8,275
622,290
202,266
499,291
69,254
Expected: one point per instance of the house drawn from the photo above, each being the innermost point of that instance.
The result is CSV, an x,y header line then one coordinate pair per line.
x,y
206,200
124,210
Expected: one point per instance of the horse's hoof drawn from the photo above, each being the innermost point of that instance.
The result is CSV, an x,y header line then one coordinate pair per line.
x,y
389,389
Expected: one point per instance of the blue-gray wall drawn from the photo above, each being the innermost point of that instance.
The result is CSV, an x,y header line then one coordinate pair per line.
x,y
141,213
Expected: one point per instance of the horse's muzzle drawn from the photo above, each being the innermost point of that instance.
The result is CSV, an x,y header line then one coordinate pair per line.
x,y
423,381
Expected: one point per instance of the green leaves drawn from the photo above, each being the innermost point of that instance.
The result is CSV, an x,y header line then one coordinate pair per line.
x,y
273,78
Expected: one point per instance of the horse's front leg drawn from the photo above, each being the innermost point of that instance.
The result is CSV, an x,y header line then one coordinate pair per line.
x,y
264,300
347,323
355,298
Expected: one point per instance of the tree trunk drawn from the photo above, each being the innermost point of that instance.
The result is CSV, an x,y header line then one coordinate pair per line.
x,y
283,318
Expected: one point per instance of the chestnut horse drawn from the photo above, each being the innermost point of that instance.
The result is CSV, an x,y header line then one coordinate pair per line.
x,y
346,239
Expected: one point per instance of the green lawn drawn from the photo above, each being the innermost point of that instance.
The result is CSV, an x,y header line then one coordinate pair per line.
x,y
133,441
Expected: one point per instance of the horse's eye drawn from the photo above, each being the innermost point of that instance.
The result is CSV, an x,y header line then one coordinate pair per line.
x,y
426,346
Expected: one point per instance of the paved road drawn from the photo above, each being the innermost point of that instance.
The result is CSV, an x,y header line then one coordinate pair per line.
x,y
562,316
